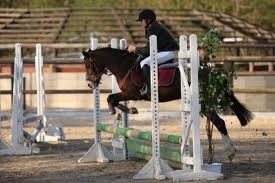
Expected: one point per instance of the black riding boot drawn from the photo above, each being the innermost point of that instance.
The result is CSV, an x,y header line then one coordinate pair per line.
x,y
145,73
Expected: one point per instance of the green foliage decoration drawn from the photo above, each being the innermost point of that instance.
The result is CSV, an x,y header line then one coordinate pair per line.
x,y
213,82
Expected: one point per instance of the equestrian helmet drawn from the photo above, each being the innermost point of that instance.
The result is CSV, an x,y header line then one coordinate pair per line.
x,y
147,14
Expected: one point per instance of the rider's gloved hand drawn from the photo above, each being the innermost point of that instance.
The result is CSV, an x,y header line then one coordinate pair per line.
x,y
131,48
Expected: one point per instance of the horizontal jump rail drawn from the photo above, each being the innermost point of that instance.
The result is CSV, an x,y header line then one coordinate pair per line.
x,y
134,133
168,153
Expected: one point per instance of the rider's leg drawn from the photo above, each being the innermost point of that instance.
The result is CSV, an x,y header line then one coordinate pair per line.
x,y
145,69
145,73
161,58
165,56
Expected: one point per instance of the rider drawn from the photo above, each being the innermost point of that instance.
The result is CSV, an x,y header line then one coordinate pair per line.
x,y
165,41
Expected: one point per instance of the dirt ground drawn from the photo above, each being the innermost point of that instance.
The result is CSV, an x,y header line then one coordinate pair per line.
x,y
57,162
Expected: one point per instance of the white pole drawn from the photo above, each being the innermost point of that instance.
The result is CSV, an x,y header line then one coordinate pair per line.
x,y
98,152
185,101
53,132
17,107
40,83
195,107
115,88
156,168
97,116
154,101
118,142
17,137
123,46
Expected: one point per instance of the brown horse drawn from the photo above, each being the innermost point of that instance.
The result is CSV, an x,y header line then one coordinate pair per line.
x,y
122,64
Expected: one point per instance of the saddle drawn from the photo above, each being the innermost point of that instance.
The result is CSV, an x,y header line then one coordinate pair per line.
x,y
166,74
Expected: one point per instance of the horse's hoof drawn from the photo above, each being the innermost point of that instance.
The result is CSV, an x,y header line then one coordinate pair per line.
x,y
113,112
118,117
232,154
133,110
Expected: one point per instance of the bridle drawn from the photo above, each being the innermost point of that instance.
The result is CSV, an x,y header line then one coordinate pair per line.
x,y
94,69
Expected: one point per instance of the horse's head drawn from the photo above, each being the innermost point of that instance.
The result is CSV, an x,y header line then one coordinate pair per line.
x,y
94,71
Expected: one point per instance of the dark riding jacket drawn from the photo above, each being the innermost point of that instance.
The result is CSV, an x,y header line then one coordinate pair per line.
x,y
165,40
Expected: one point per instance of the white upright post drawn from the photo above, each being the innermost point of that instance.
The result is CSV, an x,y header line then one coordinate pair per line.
x,y
185,103
17,137
123,46
156,168
115,88
44,132
118,142
40,133
98,152
40,83
195,106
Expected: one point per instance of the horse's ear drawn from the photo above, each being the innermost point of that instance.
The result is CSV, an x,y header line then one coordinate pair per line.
x,y
86,54
89,50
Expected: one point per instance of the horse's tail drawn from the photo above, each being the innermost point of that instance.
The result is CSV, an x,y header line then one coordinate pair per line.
x,y
243,114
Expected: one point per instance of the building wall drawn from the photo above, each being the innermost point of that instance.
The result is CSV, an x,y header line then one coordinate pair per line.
x,y
71,101
255,102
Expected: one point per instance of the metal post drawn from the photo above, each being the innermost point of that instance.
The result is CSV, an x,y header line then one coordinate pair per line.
x,y
118,142
17,137
98,152
156,168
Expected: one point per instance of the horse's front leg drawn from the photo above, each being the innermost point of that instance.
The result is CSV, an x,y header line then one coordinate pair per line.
x,y
113,101
220,125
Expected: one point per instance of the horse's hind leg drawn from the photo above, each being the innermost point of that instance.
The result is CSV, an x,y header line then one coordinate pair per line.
x,y
220,125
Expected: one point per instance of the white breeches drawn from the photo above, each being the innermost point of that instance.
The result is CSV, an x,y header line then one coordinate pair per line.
x,y
161,57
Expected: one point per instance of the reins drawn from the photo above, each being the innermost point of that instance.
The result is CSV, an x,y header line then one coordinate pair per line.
x,y
129,71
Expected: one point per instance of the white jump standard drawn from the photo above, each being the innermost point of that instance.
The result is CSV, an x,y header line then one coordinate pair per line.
x,y
156,168
49,132
98,152
191,116
21,141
